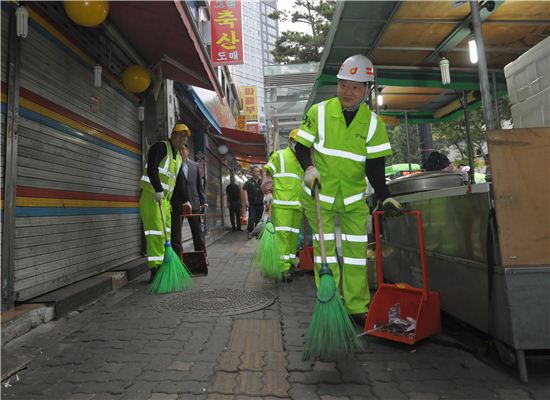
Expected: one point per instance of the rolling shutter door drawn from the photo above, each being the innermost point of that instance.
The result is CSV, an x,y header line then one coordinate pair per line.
x,y
79,163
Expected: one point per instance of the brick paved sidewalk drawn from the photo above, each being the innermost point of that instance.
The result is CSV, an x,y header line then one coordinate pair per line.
x,y
132,345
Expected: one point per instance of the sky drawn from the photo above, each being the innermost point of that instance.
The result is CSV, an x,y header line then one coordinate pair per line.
x,y
288,5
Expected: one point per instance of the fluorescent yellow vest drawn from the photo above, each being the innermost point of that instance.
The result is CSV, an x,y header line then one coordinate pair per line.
x,y
287,178
168,171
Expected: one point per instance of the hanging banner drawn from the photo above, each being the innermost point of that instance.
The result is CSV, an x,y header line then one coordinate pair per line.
x,y
226,32
250,103
241,123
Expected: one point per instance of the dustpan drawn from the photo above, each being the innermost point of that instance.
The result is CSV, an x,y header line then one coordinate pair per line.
x,y
400,312
196,261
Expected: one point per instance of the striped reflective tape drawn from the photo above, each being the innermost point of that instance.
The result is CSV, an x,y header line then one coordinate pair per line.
x,y
287,202
287,229
165,186
330,260
354,198
339,153
272,166
154,233
288,257
326,236
372,126
307,136
354,238
287,175
380,147
355,261
322,197
156,258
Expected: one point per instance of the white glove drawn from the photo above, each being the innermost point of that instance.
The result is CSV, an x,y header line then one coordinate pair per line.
x,y
311,175
392,207
159,196
268,199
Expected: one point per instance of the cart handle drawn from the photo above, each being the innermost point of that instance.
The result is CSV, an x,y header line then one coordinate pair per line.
x,y
379,269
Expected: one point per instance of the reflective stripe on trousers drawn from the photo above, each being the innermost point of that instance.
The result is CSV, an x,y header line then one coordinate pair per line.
x,y
149,212
287,223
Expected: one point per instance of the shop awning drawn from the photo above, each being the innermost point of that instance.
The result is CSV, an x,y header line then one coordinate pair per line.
x,y
406,39
163,32
245,146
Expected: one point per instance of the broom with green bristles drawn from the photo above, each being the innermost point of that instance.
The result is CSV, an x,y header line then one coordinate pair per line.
x,y
173,275
331,333
268,256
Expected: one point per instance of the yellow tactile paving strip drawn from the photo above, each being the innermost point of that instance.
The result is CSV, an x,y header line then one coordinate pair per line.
x,y
254,365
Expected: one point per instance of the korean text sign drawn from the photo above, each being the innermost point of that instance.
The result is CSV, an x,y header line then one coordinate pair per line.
x,y
250,103
226,32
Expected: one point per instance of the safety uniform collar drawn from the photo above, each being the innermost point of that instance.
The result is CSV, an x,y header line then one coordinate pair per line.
x,y
336,111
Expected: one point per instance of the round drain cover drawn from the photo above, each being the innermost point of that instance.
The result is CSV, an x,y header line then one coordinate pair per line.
x,y
221,301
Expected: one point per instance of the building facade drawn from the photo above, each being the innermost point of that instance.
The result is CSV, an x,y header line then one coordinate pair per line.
x,y
287,90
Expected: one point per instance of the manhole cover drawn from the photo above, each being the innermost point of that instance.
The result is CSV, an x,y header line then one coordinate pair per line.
x,y
222,301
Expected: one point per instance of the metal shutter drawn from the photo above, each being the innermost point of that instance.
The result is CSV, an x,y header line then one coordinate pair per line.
x,y
78,169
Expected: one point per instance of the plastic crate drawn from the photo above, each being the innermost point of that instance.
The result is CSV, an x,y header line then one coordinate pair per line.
x,y
529,74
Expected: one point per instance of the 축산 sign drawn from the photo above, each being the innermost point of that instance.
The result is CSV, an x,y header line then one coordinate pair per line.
x,y
226,32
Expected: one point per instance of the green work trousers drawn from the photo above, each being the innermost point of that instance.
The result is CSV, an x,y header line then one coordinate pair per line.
x,y
353,225
287,227
149,211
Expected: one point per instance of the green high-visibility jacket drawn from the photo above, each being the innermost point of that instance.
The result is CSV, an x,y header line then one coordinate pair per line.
x,y
287,178
341,151
168,171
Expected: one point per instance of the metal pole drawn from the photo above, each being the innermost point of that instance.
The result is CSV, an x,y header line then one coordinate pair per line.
x,y
12,125
497,111
408,141
471,176
482,66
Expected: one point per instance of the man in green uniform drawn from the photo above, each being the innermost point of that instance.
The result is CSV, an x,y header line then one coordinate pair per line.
x,y
349,144
282,187
157,185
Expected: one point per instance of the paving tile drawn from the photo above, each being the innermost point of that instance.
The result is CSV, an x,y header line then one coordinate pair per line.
x,y
249,383
256,335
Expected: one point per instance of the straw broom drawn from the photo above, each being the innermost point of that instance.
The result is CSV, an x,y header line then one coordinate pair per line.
x,y
173,275
268,255
331,333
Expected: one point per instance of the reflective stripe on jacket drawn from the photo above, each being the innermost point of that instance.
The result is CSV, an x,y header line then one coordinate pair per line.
x,y
287,178
341,151
168,171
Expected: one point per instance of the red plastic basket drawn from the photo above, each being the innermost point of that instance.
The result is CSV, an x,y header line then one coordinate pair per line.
x,y
306,254
419,303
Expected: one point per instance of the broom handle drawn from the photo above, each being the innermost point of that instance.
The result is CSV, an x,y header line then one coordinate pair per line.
x,y
163,221
320,224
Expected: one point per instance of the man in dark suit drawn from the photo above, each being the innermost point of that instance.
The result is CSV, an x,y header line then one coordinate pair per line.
x,y
188,185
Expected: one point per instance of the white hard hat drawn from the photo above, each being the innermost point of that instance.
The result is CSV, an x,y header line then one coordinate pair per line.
x,y
357,68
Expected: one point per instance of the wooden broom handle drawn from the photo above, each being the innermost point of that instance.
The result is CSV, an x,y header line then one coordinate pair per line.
x,y
320,224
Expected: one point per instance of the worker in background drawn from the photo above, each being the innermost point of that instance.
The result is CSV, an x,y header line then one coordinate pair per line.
x,y
157,185
282,187
349,143
253,199
189,188
233,193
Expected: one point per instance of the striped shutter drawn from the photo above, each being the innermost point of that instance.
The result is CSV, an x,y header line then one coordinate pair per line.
x,y
79,163
213,191
4,78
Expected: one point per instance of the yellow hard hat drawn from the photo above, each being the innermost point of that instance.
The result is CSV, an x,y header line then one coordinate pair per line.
x,y
182,128
136,79
293,133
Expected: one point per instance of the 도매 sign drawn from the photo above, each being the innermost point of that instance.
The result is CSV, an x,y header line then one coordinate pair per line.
x,y
226,32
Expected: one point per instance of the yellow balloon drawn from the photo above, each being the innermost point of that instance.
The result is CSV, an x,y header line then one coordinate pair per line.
x,y
136,79
87,13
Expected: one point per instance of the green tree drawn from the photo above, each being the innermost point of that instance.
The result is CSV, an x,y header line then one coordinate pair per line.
x,y
398,141
453,134
294,47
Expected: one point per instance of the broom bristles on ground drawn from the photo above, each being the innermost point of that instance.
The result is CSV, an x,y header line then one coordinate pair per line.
x,y
268,256
172,276
331,334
